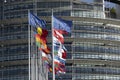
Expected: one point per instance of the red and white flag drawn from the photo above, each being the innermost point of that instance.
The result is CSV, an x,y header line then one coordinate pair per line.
x,y
59,35
46,56
62,53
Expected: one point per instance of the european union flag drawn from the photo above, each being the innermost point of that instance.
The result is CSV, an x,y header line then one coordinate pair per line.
x,y
35,21
62,24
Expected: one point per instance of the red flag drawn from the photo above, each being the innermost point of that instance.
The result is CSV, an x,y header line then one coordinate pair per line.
x,y
41,36
57,63
42,32
59,69
59,35
62,53
40,39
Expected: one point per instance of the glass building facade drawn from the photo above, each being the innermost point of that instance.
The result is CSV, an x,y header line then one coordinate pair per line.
x,y
93,46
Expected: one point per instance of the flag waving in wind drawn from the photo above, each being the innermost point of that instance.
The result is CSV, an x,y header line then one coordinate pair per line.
x,y
40,35
34,21
61,24
40,32
60,27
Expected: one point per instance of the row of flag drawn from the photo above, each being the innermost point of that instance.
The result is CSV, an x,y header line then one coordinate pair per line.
x,y
60,27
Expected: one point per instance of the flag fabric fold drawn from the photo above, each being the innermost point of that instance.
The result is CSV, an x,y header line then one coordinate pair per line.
x,y
45,50
40,39
62,24
34,21
46,56
62,53
40,35
40,32
58,35
60,27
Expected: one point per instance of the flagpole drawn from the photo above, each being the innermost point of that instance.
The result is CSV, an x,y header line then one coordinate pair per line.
x,y
36,51
52,48
29,48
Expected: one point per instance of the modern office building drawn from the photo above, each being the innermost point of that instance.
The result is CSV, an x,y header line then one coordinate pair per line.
x,y
93,46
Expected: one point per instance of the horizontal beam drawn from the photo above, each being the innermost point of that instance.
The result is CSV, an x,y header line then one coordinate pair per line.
x,y
97,20
68,39
93,61
9,63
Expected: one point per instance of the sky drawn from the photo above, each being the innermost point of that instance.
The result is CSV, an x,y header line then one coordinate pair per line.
x,y
107,4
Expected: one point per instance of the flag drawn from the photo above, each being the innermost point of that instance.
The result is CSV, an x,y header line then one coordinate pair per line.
x,y
61,24
35,21
58,35
59,49
59,60
56,41
49,66
56,45
61,31
45,50
42,32
39,29
57,64
38,44
41,40
59,70
60,27
62,53
46,56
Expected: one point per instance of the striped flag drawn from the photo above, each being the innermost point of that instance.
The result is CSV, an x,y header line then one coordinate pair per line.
x,y
40,33
62,53
60,27
58,35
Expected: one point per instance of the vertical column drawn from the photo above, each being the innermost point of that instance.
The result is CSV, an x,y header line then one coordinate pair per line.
x,y
103,9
